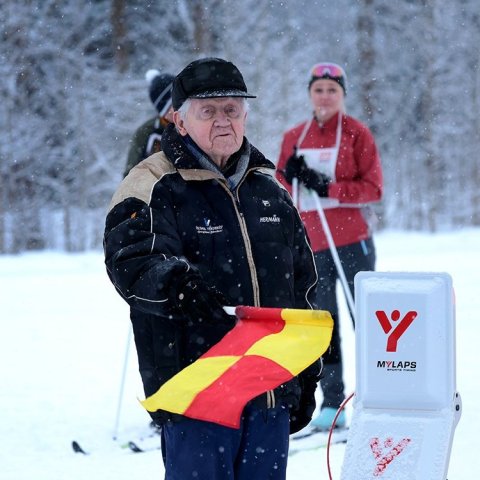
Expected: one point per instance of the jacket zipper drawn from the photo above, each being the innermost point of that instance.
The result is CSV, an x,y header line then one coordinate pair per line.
x,y
248,247
253,270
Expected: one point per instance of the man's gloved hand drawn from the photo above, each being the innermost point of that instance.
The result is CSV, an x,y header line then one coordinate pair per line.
x,y
300,417
296,167
202,304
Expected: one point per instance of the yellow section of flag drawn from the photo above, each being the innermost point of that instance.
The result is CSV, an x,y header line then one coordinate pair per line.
x,y
292,347
176,395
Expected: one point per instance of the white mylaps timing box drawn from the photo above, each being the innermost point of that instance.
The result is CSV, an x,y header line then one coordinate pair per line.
x,y
406,406
405,339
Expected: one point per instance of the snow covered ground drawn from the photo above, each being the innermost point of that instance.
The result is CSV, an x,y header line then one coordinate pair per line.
x,y
63,339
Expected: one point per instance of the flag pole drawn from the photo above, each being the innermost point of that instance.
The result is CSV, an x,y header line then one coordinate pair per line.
x,y
334,252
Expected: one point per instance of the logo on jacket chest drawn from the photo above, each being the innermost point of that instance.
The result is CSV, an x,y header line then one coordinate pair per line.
x,y
208,228
270,219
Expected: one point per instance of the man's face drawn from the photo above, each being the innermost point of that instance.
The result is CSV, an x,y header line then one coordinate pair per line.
x,y
216,125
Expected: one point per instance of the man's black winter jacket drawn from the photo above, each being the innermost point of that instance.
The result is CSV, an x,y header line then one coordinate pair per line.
x,y
170,217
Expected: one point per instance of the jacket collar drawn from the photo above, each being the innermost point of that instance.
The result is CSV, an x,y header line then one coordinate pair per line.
x,y
183,157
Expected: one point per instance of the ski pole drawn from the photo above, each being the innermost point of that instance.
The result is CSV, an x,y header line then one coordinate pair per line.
x,y
295,191
122,384
334,252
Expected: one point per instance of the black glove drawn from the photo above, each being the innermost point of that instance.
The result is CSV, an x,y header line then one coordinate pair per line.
x,y
315,181
293,167
296,167
300,417
202,304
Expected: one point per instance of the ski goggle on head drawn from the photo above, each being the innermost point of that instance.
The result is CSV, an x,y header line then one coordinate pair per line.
x,y
330,71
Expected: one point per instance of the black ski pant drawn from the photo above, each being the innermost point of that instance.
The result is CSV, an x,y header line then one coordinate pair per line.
x,y
354,258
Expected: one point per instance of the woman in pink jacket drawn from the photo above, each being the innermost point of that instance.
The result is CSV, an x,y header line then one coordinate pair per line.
x,y
335,156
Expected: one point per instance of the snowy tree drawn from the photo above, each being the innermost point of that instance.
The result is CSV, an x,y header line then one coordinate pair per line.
x,y
73,92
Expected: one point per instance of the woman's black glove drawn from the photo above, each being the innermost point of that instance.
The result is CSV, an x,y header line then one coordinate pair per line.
x,y
296,167
315,181
293,167
202,304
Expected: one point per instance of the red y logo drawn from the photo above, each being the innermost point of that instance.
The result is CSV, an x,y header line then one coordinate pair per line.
x,y
399,330
384,459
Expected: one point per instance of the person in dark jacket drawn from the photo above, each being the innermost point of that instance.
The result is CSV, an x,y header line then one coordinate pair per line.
x,y
146,139
200,225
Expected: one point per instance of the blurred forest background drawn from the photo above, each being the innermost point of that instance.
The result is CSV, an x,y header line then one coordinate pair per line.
x,y
72,92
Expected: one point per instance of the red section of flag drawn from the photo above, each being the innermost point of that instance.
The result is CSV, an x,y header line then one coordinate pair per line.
x,y
246,379
258,313
246,333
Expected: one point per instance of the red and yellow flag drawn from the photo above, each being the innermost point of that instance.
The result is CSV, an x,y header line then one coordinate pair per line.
x,y
266,348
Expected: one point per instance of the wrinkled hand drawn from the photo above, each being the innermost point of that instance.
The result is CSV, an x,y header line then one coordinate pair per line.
x,y
203,304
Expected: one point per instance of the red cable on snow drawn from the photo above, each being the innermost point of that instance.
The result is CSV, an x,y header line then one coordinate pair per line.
x,y
332,427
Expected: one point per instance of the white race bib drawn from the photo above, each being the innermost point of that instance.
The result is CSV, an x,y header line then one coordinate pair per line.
x,y
323,160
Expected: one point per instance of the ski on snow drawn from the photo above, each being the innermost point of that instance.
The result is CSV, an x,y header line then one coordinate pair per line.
x,y
312,439
138,446
77,448
144,445
307,439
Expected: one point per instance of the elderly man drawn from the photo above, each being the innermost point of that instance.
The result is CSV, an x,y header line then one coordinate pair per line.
x,y
197,226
